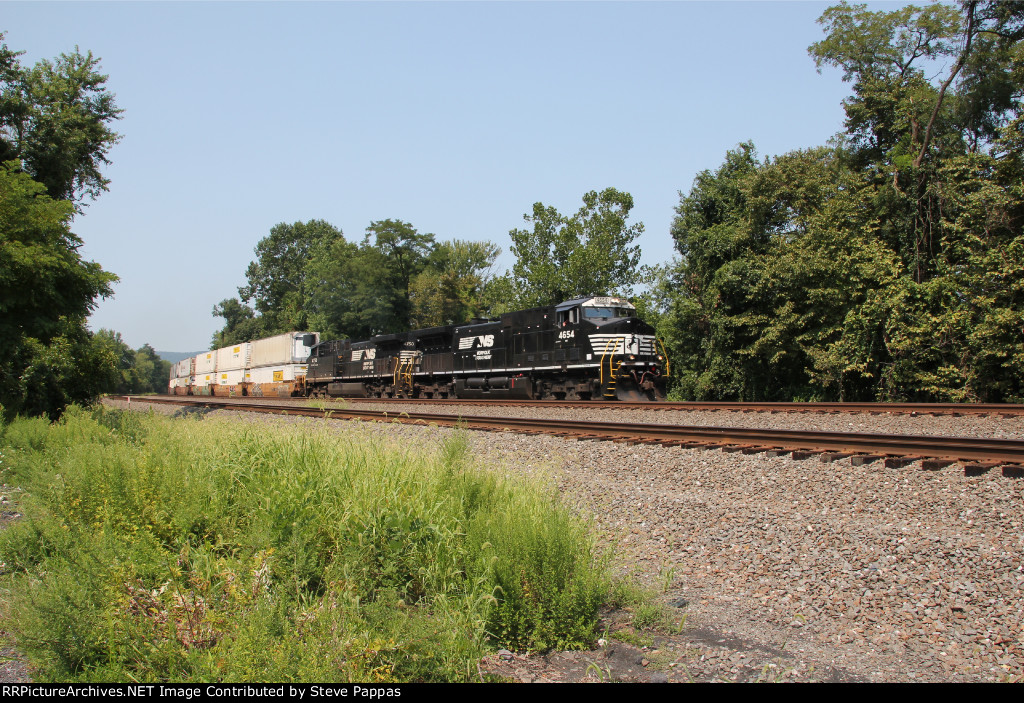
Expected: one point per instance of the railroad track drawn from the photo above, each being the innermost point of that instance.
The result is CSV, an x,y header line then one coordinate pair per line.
x,y
954,409
977,455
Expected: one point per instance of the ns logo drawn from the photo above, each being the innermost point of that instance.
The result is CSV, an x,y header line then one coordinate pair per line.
x,y
486,341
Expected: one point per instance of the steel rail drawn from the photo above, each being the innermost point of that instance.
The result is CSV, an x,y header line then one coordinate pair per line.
x,y
964,449
733,406
1004,409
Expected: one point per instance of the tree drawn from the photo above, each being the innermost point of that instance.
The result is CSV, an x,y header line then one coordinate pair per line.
x,y
46,293
279,281
566,257
151,372
888,265
903,123
451,287
354,297
55,118
54,136
240,323
405,254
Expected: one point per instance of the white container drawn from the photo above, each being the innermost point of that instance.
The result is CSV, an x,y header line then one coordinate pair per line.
x,y
280,373
183,369
234,357
231,377
205,364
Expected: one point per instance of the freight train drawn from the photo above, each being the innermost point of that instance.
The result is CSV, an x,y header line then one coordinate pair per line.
x,y
582,349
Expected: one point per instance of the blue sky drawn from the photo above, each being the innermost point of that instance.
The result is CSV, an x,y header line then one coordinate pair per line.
x,y
454,116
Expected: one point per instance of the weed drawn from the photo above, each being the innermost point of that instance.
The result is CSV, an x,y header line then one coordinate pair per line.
x,y
666,576
682,624
647,615
602,674
167,549
632,637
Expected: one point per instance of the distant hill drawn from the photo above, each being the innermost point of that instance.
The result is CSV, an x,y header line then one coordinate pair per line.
x,y
175,357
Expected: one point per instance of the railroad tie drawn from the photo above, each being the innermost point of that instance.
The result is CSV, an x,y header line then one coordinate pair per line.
x,y
861,459
898,462
977,468
936,464
829,457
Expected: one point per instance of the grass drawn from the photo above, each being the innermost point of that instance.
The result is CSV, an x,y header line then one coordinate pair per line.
x,y
158,549
327,404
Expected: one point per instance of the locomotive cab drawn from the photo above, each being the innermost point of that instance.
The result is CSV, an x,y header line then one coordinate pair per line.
x,y
623,346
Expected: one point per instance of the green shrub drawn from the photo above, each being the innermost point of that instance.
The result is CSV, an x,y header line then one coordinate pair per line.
x,y
158,549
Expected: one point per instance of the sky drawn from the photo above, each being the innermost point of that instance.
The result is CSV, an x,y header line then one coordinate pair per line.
x,y
453,116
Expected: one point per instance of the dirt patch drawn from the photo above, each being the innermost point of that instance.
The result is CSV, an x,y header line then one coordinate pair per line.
x,y
625,654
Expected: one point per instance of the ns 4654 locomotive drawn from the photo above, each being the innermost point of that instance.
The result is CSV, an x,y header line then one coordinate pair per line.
x,y
588,348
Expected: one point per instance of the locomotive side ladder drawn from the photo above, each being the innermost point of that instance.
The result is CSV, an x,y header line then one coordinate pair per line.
x,y
403,374
608,387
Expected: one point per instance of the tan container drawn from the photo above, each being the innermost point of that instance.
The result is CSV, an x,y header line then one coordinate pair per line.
x,y
282,349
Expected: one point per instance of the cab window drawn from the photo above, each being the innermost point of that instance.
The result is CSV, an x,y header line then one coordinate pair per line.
x,y
569,317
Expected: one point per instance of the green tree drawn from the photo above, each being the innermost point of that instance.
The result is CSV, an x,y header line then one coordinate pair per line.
x,y
561,257
54,138
279,281
354,299
55,118
905,119
240,323
715,241
151,372
405,254
886,266
121,378
46,293
451,287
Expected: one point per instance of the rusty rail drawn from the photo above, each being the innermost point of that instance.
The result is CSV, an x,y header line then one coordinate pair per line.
x,y
979,454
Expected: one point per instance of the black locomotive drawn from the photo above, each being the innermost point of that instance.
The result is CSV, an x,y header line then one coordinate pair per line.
x,y
588,348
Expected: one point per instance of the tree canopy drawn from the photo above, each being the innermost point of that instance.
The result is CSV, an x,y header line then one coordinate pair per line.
x,y
54,137
308,276
55,117
46,293
888,265
562,257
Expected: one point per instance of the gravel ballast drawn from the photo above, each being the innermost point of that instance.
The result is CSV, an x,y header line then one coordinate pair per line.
x,y
797,570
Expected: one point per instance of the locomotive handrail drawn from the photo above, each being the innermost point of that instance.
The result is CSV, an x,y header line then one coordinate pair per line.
x,y
664,352
406,376
608,348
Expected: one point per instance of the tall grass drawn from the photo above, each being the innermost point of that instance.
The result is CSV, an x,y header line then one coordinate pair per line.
x,y
200,550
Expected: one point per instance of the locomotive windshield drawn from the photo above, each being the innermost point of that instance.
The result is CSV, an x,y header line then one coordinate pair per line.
x,y
606,312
